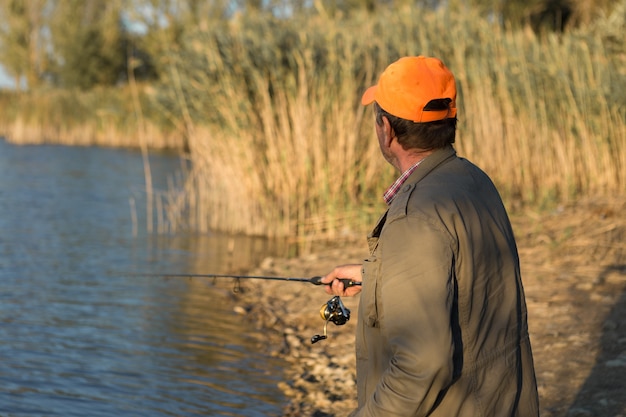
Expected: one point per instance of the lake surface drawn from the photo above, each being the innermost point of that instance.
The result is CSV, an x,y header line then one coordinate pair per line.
x,y
78,335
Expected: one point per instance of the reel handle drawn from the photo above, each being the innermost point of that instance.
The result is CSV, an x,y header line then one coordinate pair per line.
x,y
345,281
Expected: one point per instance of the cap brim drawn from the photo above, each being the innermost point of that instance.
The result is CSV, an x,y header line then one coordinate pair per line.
x,y
368,96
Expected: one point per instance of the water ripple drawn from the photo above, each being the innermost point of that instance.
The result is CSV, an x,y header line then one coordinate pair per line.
x,y
78,340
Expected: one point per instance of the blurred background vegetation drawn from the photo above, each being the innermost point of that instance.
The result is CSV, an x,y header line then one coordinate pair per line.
x,y
262,97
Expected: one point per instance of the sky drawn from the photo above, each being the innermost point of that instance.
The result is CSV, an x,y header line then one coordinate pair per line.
x,y
5,81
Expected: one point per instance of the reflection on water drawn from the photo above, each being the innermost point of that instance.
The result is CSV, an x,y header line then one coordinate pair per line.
x,y
78,337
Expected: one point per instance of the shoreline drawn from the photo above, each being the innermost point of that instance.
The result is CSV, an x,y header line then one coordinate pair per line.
x,y
574,273
320,378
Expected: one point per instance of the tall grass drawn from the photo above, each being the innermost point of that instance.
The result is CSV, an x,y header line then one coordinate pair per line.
x,y
102,117
287,152
541,116
281,146
269,112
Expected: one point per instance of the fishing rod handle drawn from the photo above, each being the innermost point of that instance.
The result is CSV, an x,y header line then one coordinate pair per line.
x,y
347,282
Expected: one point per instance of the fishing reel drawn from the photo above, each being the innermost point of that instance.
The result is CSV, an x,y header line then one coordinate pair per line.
x,y
333,311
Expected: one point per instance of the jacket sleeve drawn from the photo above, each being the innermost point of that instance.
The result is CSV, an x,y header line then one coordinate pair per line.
x,y
415,304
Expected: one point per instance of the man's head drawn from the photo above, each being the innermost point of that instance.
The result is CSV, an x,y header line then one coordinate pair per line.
x,y
418,97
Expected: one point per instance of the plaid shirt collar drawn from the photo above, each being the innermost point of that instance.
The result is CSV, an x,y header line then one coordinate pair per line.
x,y
395,187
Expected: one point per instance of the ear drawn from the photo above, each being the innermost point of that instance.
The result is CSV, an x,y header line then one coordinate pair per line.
x,y
388,133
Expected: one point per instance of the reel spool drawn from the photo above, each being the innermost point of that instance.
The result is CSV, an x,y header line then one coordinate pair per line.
x,y
333,311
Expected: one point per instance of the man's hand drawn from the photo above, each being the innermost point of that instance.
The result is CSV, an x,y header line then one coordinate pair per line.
x,y
352,272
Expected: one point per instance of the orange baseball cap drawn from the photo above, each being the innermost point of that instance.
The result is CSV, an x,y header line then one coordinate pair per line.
x,y
406,87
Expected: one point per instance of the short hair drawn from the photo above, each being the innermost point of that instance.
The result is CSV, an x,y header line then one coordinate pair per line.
x,y
429,135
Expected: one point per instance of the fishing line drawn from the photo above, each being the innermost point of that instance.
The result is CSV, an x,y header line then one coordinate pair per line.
x,y
332,311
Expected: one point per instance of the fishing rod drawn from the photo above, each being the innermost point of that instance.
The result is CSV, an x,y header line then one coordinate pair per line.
x,y
314,280
332,311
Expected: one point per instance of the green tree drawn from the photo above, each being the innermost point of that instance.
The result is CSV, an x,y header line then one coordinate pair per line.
x,y
21,49
88,43
543,14
163,24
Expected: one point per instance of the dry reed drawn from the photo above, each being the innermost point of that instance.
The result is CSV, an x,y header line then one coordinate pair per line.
x,y
291,153
279,144
94,118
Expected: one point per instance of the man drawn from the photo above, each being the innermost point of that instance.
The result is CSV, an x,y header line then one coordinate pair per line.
x,y
442,327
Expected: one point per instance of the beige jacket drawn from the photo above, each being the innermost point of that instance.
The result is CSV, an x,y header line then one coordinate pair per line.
x,y
442,318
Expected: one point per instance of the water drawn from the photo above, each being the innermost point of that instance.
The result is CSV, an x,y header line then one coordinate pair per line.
x,y
78,337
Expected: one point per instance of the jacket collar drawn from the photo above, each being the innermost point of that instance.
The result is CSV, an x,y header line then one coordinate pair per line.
x,y
435,159
431,162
